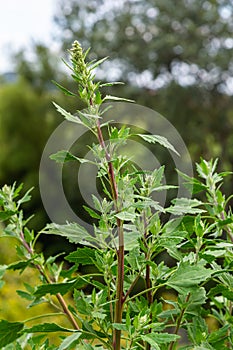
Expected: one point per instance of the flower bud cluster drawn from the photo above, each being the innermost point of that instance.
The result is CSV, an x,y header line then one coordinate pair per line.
x,y
78,60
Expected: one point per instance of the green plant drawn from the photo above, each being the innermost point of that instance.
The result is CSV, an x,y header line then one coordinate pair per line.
x,y
128,238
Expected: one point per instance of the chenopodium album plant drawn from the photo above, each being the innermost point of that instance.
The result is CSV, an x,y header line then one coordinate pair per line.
x,y
174,304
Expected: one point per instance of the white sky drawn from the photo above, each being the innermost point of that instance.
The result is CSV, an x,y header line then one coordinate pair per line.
x,y
21,22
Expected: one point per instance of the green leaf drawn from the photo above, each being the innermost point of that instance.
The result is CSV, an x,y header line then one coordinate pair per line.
x,y
20,265
120,326
183,206
71,340
3,268
91,212
170,239
97,203
164,187
135,258
74,232
131,240
9,331
158,139
188,276
114,98
144,203
206,168
81,304
226,221
87,119
151,342
64,90
5,215
68,116
192,184
221,290
170,242
84,256
28,235
198,330
97,63
214,337
46,328
34,340
125,216
214,253
112,83
16,190
159,338
65,156
25,295
98,99
51,258
197,298
25,198
61,288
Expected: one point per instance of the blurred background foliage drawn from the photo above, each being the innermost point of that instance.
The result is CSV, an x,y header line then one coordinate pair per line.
x,y
174,57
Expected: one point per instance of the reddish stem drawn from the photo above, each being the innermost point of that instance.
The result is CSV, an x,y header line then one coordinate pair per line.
x,y
179,320
58,295
148,279
120,250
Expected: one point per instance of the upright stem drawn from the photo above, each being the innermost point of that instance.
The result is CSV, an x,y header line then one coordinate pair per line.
x,y
67,311
179,320
228,230
222,213
119,295
149,298
148,279
120,250
47,279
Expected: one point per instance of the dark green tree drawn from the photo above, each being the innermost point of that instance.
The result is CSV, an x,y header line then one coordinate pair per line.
x,y
26,121
153,43
176,57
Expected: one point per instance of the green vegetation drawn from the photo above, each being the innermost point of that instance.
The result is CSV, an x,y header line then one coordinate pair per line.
x,y
128,238
24,114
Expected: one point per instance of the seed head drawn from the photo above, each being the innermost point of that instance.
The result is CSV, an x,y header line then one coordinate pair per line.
x,y
76,51
77,57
